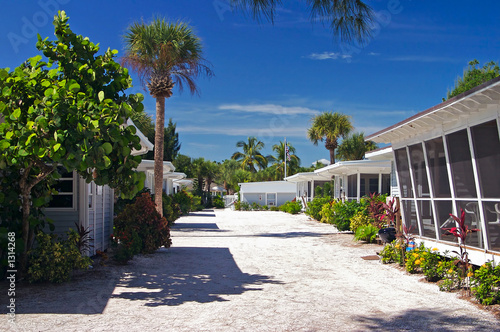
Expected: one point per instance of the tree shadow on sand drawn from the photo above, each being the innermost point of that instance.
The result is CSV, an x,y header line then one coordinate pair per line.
x,y
426,320
188,274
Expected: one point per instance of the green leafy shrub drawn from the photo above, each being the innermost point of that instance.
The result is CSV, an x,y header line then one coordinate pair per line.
x,y
393,253
292,207
140,229
343,213
54,259
486,284
450,276
185,201
274,208
197,203
256,206
218,202
314,207
430,263
413,259
326,213
366,233
358,220
244,206
171,209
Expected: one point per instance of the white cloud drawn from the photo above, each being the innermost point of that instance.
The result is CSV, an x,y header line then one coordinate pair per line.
x,y
328,56
265,132
269,109
422,58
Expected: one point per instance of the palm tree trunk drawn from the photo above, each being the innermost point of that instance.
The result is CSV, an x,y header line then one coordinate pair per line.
x,y
332,156
158,168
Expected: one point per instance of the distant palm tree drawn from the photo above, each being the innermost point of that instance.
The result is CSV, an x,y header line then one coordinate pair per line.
x,y
251,155
354,147
349,19
163,54
278,160
329,127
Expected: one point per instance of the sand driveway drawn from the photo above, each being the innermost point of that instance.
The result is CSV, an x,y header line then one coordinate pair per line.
x,y
248,271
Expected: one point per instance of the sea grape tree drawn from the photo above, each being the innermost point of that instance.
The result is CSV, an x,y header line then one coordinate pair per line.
x,y
67,109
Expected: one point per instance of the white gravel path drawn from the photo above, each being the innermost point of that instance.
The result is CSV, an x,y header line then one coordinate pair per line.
x,y
249,271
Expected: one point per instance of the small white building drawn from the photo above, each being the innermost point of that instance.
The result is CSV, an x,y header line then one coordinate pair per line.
x,y
270,193
169,176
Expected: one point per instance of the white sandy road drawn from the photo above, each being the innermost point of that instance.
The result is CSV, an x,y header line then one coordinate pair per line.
x,y
248,271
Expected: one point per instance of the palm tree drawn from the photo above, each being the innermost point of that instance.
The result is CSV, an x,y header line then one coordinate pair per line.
x,y
251,155
280,158
354,147
329,127
348,19
163,55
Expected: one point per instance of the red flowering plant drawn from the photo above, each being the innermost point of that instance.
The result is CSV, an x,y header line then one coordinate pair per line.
x,y
460,231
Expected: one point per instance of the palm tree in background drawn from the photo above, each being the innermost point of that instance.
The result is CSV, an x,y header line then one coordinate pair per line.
x,y
280,157
354,147
350,20
329,127
251,156
163,55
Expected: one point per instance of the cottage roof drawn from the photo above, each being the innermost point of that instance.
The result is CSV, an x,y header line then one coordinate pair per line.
x,y
466,104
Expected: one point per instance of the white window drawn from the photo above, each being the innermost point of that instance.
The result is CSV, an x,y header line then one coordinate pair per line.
x,y
66,187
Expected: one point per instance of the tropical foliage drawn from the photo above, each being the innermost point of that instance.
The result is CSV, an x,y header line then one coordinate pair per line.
x,y
473,77
329,127
251,158
280,158
351,20
68,111
354,147
164,55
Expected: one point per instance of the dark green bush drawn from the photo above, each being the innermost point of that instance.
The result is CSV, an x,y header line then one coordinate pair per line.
x,y
314,207
171,209
274,208
140,229
486,284
54,259
185,201
218,202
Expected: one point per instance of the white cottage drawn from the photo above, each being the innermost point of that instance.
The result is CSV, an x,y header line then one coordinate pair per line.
x,y
447,159
169,176
270,193
87,204
352,179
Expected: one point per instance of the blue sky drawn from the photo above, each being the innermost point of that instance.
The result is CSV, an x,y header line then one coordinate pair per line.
x,y
271,79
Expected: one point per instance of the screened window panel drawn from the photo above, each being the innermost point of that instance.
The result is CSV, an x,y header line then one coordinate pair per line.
x,y
352,186
419,172
410,216
402,166
386,184
437,165
461,164
443,210
426,218
373,185
492,216
487,153
472,220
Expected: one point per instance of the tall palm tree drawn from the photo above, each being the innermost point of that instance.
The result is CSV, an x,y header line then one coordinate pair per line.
x,y
329,127
279,159
354,147
163,55
348,19
251,155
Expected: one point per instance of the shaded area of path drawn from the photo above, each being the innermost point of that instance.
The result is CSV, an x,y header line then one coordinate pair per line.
x,y
250,271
